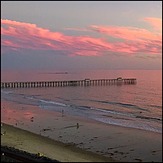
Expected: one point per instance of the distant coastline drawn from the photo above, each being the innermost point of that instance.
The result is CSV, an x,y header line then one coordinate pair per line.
x,y
54,72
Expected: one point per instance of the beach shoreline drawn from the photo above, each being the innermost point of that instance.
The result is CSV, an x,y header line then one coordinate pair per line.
x,y
107,141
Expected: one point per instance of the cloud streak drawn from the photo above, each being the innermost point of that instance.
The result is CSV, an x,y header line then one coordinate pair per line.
x,y
127,33
20,35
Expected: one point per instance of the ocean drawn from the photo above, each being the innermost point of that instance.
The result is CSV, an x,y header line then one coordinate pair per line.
x,y
132,106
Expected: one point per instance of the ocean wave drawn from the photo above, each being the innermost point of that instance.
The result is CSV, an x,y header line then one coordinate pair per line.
x,y
120,104
155,106
150,118
111,111
6,92
52,102
130,124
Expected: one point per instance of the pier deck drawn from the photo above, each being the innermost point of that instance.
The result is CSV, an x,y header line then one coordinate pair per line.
x,y
85,82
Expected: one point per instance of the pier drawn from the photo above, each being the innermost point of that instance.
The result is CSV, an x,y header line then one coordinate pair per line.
x,y
85,82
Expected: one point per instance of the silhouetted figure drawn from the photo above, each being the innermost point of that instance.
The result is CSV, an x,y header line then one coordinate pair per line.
x,y
77,125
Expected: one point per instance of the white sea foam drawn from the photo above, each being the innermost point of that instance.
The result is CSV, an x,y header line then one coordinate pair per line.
x,y
52,102
129,124
112,112
6,92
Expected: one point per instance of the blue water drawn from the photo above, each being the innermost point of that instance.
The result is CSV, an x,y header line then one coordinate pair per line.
x,y
134,106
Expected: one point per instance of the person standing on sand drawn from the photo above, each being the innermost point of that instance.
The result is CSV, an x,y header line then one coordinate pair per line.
x,y
77,125
62,113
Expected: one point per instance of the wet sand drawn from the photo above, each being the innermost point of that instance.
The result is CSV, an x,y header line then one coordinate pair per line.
x,y
71,133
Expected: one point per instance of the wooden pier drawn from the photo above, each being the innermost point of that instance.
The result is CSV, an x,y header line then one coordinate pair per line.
x,y
85,82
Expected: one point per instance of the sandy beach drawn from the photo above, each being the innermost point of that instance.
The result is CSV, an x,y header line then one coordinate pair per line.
x,y
68,139
33,143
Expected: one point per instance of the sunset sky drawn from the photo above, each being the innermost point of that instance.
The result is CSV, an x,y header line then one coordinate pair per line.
x,y
81,35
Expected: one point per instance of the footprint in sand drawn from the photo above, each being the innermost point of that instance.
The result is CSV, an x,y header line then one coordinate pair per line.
x,y
153,152
137,159
81,143
110,148
131,149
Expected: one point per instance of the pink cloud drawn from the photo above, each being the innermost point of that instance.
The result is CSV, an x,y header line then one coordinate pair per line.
x,y
127,33
155,22
135,40
30,36
9,43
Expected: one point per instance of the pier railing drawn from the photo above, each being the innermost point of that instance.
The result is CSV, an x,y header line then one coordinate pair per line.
x,y
85,82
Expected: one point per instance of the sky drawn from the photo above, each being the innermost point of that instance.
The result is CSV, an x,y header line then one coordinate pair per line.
x,y
81,35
